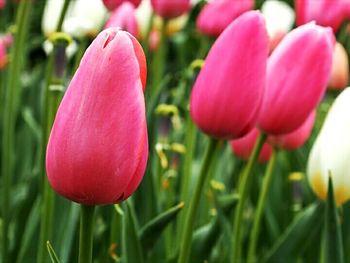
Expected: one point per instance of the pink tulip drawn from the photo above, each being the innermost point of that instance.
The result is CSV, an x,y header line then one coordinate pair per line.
x,y
297,74
125,18
98,147
170,9
2,4
324,12
113,4
297,138
3,55
244,146
227,94
340,69
218,14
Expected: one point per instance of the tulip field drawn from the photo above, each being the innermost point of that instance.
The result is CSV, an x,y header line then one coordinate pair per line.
x,y
174,131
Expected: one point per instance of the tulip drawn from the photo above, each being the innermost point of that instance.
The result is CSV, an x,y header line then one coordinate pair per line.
x,y
340,69
143,17
125,18
297,74
170,9
279,18
84,18
217,15
244,146
227,94
3,55
114,4
325,12
330,152
297,138
2,4
97,150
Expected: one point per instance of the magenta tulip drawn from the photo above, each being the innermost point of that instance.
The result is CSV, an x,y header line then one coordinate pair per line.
x,y
98,147
297,138
114,4
217,15
170,9
244,146
3,55
125,18
325,12
228,91
297,74
2,4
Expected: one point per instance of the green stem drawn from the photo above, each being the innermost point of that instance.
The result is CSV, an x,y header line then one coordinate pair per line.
x,y
82,47
186,240
12,97
86,233
51,98
158,60
187,168
260,209
244,187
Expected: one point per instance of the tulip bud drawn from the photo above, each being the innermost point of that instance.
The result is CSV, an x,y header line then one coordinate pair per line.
x,y
170,9
97,150
340,68
325,12
297,74
114,4
125,18
244,146
228,91
3,55
83,18
2,4
330,153
279,17
217,15
297,138
143,17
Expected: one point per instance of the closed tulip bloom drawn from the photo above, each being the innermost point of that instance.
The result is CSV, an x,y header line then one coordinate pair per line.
x,y
2,4
279,17
227,94
83,18
297,75
114,4
297,138
3,55
340,68
170,9
325,12
125,18
218,14
330,153
98,146
244,146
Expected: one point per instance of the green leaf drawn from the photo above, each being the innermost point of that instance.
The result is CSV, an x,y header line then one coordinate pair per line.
x,y
150,233
333,245
292,241
53,256
132,250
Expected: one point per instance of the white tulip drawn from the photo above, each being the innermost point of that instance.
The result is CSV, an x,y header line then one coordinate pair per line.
x,y
330,155
279,17
83,18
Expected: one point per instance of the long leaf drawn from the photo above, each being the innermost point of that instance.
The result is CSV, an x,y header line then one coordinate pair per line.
x,y
151,232
291,243
333,245
132,249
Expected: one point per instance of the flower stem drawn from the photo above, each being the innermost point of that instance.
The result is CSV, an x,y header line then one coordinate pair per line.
x,y
86,233
185,244
12,97
244,187
260,209
51,98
